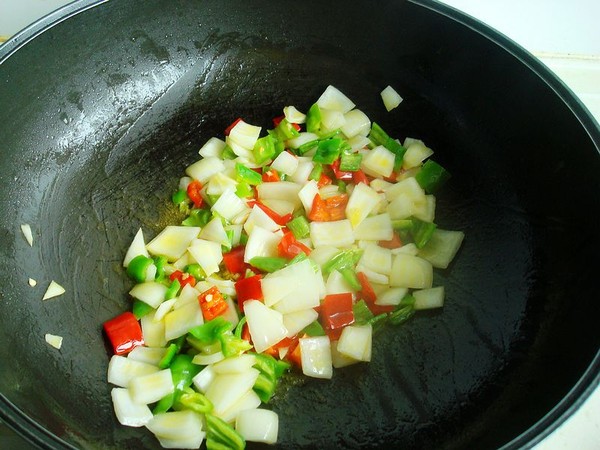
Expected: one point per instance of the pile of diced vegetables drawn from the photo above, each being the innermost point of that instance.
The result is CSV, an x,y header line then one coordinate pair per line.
x,y
296,246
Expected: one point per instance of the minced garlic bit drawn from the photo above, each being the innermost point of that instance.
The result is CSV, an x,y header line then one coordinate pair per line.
x,y
26,230
54,290
53,340
32,282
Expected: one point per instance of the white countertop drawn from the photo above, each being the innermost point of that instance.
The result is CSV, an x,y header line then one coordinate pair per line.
x,y
565,35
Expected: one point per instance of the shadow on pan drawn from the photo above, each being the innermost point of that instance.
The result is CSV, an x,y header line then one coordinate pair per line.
x,y
100,114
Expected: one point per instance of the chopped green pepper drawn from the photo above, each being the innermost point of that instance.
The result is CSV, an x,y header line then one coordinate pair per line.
x,y
307,146
228,153
268,263
328,151
380,137
138,268
432,176
232,345
198,218
160,262
350,162
246,175
362,313
192,400
342,260
173,290
264,149
401,314
315,173
196,271
299,226
314,329
209,332
180,196
221,436
244,190
422,231
313,119
285,130
140,309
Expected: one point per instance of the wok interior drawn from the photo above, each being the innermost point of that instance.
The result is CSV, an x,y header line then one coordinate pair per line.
x,y
104,111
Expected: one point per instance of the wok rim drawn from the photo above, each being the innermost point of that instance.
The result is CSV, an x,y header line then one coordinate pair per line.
x,y
589,381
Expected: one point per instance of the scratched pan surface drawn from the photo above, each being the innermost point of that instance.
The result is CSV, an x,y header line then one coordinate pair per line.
x,y
100,114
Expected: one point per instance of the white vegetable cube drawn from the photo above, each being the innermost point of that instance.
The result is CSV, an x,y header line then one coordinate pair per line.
x,y
337,233
53,340
265,325
250,400
391,296
429,298
235,364
258,425
280,190
340,360
292,115
357,123
219,183
205,168
227,389
178,429
372,276
204,378
303,138
150,292
331,119
303,171
148,355
391,99
285,163
360,204
409,249
415,154
320,255
316,357
332,98
128,412
411,272
293,288
337,284
213,147
187,295
281,207
121,370
307,195
208,254
229,205
179,321
261,242
426,210
260,218
375,228
173,241
215,232
356,342
402,207
244,134
378,162
409,187
152,387
137,247
377,258
153,332
163,309
296,321
442,247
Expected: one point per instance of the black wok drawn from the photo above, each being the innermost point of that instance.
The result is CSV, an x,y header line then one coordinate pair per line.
x,y
100,113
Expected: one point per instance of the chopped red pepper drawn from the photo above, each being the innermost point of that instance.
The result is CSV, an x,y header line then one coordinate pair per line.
x,y
270,176
294,354
277,121
324,180
336,311
193,192
212,303
366,293
340,174
289,246
395,242
248,289
329,209
183,278
124,333
392,178
359,177
277,218
234,260
233,124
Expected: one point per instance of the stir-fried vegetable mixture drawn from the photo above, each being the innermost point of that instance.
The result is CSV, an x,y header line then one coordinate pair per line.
x,y
298,243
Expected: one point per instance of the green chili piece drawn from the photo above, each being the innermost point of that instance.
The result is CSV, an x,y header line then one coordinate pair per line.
x,y
350,162
325,134
192,400
138,267
362,313
196,271
198,218
313,119
380,137
422,231
180,196
221,436
268,263
232,345
342,260
401,315
264,149
285,130
246,175
315,174
228,153
244,190
168,358
299,226
314,329
350,277
407,300
264,387
164,404
378,321
240,327
140,309
173,290
341,186
328,151
307,146
432,176
160,262
209,332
